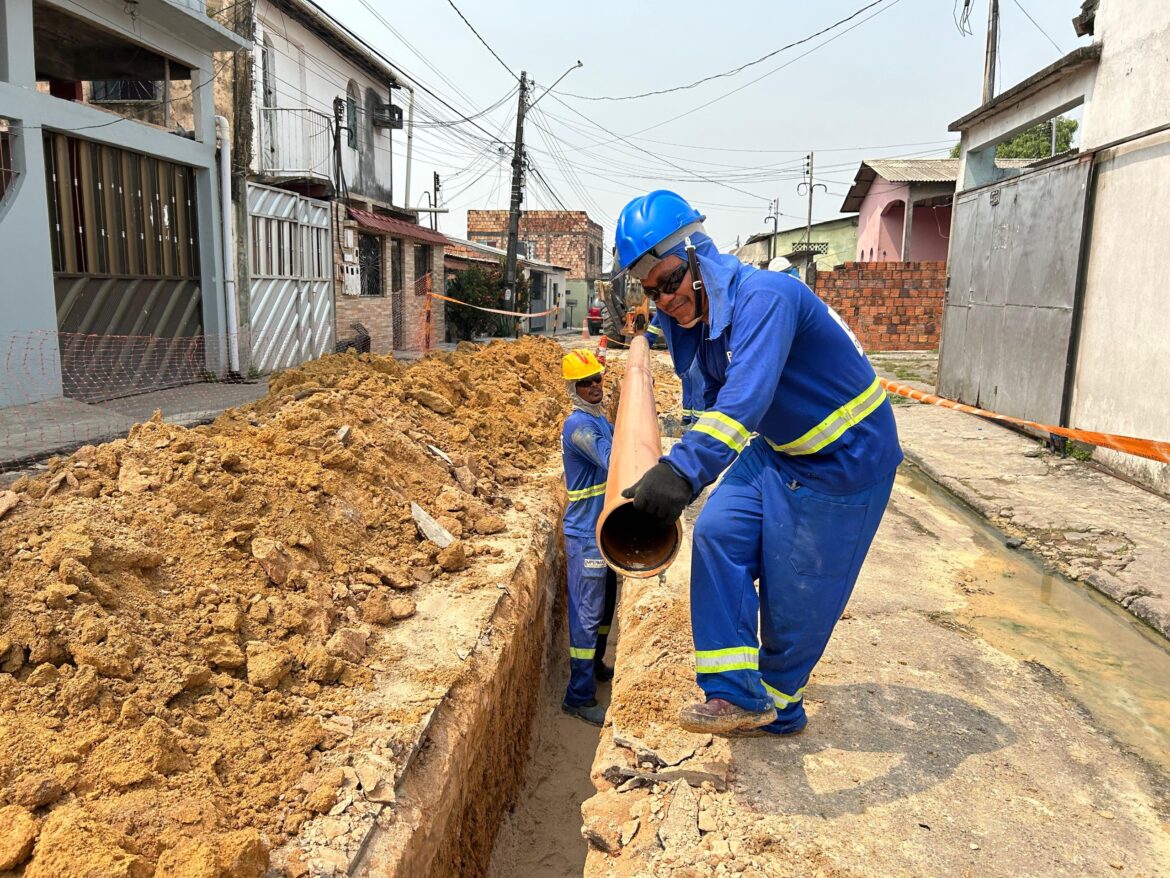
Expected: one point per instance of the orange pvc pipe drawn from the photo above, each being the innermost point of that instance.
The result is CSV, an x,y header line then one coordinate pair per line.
x,y
631,542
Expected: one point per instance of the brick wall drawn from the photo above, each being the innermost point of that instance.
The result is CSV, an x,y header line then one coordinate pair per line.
x,y
376,313
562,237
890,306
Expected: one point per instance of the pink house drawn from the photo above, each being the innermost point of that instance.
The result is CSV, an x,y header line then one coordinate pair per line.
x,y
904,208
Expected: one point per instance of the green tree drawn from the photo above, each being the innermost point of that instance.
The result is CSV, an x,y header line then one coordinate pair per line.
x,y
1036,142
477,287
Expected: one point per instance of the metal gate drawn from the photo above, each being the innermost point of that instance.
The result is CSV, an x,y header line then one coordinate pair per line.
x,y
290,253
124,231
1008,314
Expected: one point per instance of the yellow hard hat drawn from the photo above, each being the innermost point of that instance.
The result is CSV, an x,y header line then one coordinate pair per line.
x,y
580,364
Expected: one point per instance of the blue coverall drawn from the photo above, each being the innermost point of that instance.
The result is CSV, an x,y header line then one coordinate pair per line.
x,y
586,441
693,386
795,409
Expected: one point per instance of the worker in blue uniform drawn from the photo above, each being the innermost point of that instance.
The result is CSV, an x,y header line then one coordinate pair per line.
x,y
586,440
693,386
796,416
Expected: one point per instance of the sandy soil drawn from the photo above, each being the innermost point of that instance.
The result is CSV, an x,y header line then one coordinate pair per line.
x,y
218,639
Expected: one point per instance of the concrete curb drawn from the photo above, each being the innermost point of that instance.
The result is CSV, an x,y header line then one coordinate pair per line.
x,y
1132,599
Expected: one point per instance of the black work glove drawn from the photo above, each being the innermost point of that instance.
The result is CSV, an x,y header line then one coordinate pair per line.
x,y
662,493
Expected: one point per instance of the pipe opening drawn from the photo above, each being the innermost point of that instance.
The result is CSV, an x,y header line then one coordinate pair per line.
x,y
636,544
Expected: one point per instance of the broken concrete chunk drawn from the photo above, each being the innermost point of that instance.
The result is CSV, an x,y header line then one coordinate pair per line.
x,y
430,528
442,455
680,827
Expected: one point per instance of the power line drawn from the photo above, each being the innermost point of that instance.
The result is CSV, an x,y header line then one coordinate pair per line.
x,y
1037,24
451,3
714,100
726,73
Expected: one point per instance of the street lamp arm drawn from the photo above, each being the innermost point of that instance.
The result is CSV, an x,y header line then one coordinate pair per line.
x,y
555,84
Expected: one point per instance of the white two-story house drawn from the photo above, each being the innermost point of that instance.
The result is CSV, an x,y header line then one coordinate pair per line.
x,y
328,253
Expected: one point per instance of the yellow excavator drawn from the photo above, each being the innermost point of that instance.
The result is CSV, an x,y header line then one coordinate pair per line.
x,y
627,309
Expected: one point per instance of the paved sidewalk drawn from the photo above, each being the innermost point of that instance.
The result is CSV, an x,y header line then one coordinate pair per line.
x,y
1088,524
58,426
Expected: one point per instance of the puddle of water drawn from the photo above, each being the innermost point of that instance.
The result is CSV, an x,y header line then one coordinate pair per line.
x,y
1117,668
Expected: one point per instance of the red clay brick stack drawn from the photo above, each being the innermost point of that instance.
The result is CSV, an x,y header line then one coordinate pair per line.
x,y
891,306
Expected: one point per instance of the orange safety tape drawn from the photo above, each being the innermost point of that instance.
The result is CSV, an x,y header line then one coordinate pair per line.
x,y
492,310
1148,448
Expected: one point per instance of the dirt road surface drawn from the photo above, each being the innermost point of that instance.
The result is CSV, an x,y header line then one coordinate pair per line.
x,y
929,750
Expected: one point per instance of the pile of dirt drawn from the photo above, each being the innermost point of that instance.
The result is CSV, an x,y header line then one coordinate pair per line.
x,y
179,609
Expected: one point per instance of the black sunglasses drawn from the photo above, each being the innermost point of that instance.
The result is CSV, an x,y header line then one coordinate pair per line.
x,y
669,285
592,379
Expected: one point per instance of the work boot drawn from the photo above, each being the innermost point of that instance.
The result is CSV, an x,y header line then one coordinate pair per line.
x,y
719,717
602,672
591,712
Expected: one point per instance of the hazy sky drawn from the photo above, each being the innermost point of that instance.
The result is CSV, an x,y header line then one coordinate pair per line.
x,y
890,85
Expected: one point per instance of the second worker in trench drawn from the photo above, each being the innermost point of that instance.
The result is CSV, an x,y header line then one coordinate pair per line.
x,y
586,441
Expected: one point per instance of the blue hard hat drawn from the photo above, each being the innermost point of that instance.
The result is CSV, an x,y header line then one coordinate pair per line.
x,y
649,220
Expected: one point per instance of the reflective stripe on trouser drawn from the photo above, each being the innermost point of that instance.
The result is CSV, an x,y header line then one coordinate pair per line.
x,y
587,576
830,429
805,548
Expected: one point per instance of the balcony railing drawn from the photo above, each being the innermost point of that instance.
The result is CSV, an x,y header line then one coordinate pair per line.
x,y
295,142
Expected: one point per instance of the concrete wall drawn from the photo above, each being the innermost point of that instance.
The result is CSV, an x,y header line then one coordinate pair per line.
x,y
840,235
879,222
310,73
27,304
1123,376
891,306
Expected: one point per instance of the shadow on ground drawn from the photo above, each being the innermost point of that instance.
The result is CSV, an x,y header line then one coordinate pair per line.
x,y
865,745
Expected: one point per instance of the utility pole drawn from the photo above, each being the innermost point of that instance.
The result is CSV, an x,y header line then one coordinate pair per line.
x,y
517,194
992,50
811,187
774,216
435,203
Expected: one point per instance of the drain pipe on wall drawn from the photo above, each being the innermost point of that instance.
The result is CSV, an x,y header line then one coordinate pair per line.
x,y
409,145
223,134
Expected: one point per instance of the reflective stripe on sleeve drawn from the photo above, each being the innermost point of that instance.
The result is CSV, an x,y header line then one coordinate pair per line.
x,y
831,428
653,330
577,653
734,658
727,430
603,629
586,493
781,700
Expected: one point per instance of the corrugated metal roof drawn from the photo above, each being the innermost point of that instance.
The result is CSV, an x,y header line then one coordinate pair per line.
x,y
916,170
909,171
379,223
461,248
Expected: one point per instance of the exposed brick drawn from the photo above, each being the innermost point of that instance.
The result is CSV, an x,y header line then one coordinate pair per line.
x,y
890,306
563,237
